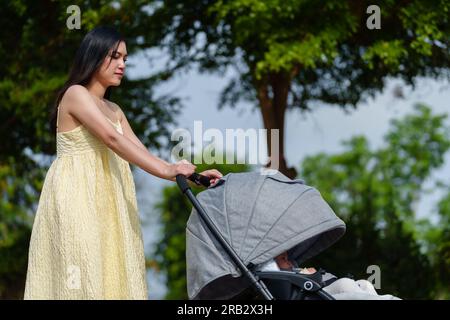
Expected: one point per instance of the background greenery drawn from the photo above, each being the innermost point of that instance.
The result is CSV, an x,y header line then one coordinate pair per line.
x,y
284,57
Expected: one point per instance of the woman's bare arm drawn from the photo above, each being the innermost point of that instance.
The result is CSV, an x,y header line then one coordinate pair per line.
x,y
127,130
81,105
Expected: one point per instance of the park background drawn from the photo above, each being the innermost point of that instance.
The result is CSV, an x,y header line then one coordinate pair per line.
x,y
362,113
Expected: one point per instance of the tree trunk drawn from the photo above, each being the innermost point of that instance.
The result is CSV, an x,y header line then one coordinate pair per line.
x,y
273,108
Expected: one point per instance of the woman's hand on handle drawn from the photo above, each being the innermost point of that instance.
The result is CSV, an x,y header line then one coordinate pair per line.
x,y
213,175
182,167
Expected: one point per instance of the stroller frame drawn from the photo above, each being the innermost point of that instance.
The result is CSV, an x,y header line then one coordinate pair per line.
x,y
301,285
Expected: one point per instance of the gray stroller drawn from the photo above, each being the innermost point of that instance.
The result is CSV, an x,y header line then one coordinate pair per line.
x,y
247,219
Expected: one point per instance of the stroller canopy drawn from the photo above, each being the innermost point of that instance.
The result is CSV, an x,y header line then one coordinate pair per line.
x,y
260,216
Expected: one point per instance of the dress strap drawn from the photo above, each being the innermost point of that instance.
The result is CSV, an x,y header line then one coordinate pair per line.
x,y
57,116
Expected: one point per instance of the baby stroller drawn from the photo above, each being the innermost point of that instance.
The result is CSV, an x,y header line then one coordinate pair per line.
x,y
247,219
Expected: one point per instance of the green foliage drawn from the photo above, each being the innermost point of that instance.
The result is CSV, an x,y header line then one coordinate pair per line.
x,y
15,224
389,52
324,48
13,265
171,249
375,192
438,241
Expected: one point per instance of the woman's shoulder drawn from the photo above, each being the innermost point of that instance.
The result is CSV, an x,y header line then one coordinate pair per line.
x,y
74,94
75,90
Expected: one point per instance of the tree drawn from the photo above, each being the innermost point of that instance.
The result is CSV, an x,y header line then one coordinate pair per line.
x,y
437,239
375,192
296,53
37,48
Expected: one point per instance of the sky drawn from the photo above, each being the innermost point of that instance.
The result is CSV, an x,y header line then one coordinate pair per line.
x,y
322,130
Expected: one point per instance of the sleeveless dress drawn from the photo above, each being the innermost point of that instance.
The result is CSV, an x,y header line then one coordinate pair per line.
x,y
86,241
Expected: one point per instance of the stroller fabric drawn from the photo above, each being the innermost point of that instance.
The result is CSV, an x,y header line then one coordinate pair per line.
x,y
260,216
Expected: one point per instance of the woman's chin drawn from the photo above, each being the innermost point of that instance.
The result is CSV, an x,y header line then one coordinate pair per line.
x,y
116,83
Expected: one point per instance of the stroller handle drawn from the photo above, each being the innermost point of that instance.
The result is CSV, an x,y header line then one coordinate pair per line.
x,y
198,179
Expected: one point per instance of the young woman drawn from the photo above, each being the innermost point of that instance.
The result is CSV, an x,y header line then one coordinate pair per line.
x,y
86,241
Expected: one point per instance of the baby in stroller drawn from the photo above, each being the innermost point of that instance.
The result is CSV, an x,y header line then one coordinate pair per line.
x,y
340,288
246,223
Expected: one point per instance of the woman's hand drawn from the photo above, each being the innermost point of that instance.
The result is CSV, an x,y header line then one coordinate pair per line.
x,y
213,175
182,167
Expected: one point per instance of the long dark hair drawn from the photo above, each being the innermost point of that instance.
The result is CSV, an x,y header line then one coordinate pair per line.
x,y
89,57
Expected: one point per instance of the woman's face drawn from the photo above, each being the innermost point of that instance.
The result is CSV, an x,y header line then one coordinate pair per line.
x,y
112,70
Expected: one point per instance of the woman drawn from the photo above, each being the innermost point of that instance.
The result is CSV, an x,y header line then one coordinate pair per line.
x,y
86,241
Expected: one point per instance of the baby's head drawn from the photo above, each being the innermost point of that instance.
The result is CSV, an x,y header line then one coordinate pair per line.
x,y
283,261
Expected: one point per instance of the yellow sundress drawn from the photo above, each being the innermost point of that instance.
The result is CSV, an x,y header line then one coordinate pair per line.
x,y
86,241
